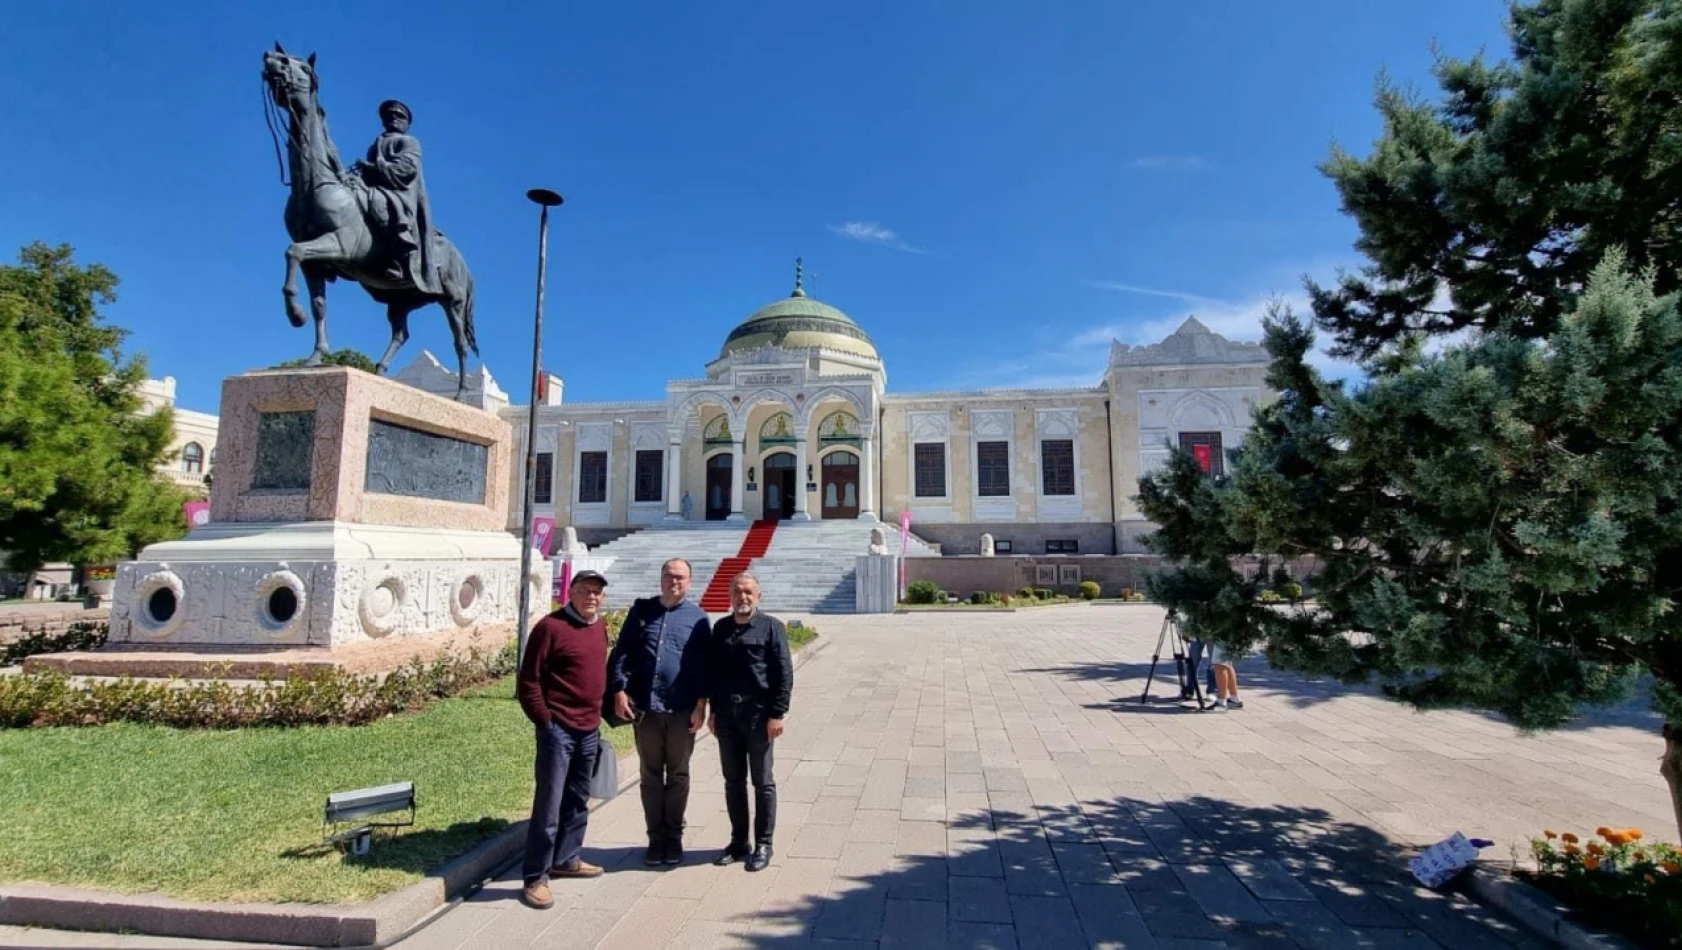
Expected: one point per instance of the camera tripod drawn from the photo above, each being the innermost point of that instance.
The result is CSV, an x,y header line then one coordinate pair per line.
x,y
1171,635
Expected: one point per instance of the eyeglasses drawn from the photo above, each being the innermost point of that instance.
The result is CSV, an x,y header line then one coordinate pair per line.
x,y
674,577
589,592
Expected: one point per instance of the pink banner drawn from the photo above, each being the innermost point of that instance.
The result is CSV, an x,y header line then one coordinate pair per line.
x,y
904,545
197,512
563,582
1205,455
543,534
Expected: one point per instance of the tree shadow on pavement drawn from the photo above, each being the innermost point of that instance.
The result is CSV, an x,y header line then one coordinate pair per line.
x,y
1130,873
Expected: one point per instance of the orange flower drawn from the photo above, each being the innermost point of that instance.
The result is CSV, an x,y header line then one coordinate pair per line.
x,y
1569,838
1640,855
1573,849
1603,831
1633,834
1591,863
1617,839
1549,834
1671,867
1594,848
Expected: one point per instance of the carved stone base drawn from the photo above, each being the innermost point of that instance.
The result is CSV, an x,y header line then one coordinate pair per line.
x,y
327,583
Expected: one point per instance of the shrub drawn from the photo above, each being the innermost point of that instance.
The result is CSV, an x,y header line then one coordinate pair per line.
x,y
924,592
1616,882
1089,590
78,636
998,597
1043,593
316,697
980,597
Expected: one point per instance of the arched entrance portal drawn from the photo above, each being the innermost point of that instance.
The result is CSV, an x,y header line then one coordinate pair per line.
x,y
719,472
779,486
840,485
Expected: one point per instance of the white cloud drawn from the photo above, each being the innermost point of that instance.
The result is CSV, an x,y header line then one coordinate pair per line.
x,y
869,232
1178,163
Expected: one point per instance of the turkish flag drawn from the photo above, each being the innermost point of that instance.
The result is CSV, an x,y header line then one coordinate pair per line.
x,y
1205,455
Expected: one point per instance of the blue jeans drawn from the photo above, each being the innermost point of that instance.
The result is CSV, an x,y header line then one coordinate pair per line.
x,y
1194,655
566,758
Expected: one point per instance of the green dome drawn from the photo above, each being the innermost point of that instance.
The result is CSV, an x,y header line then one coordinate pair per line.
x,y
799,322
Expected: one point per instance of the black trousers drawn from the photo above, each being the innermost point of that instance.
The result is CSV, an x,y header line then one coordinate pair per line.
x,y
664,745
744,751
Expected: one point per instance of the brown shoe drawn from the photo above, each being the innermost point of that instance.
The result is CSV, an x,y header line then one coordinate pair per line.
x,y
536,894
578,868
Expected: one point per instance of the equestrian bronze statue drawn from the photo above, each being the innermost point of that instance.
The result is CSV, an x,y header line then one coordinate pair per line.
x,y
370,222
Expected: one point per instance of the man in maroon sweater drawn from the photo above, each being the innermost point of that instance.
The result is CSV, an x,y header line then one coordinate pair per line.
x,y
561,683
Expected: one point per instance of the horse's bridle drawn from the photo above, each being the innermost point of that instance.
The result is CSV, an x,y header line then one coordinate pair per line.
x,y
272,114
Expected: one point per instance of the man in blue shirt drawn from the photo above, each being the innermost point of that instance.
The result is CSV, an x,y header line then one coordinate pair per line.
x,y
657,675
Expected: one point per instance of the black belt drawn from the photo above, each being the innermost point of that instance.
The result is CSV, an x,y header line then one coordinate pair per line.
x,y
740,699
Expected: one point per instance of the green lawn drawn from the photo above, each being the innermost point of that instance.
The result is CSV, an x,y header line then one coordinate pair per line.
x,y
236,815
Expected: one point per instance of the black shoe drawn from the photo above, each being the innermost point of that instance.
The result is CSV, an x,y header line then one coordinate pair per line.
x,y
674,851
655,855
761,857
731,855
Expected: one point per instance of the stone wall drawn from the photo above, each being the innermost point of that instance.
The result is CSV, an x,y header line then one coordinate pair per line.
x,y
54,619
1005,573
965,575
1026,538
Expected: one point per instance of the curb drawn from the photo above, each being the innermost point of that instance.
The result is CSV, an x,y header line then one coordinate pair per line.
x,y
380,921
1536,910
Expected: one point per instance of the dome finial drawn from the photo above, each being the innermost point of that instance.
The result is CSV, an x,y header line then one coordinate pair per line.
x,y
799,277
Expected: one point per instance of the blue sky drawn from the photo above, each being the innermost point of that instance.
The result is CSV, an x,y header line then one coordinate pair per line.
x,y
992,190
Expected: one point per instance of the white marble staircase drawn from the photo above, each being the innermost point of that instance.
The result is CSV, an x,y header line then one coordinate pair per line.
x,y
809,567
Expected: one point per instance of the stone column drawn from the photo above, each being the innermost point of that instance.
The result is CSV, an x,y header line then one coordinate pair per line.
x,y
800,513
674,480
867,479
737,474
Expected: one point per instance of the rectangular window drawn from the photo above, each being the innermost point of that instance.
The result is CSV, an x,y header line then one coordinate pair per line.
x,y
992,469
649,470
1206,448
1001,546
931,469
1064,546
1057,467
592,478
543,482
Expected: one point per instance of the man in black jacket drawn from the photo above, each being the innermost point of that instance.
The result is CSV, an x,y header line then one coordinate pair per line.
x,y
657,676
751,680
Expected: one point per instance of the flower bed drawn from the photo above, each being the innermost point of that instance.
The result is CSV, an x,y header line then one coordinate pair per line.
x,y
1615,881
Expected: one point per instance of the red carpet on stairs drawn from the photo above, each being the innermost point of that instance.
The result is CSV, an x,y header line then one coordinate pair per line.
x,y
716,600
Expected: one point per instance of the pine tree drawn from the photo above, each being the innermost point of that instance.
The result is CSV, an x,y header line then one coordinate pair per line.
x,y
1496,519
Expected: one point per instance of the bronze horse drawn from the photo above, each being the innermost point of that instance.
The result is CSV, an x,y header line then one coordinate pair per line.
x,y
327,218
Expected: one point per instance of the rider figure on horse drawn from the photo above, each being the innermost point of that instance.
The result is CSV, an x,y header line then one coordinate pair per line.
x,y
398,212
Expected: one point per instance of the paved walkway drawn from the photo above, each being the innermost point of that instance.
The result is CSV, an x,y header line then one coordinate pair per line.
x,y
952,780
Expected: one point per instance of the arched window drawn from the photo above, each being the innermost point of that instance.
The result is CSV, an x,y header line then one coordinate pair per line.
x,y
192,457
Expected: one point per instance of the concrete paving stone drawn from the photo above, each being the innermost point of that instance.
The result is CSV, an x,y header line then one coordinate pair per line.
x,y
818,841
921,837
1083,863
1046,923
1313,925
974,857
922,809
979,899
831,809
853,913
874,824
1220,893
1031,868
926,787
1108,916
1174,914
912,923
862,860
1251,935
1268,879
980,936
714,935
